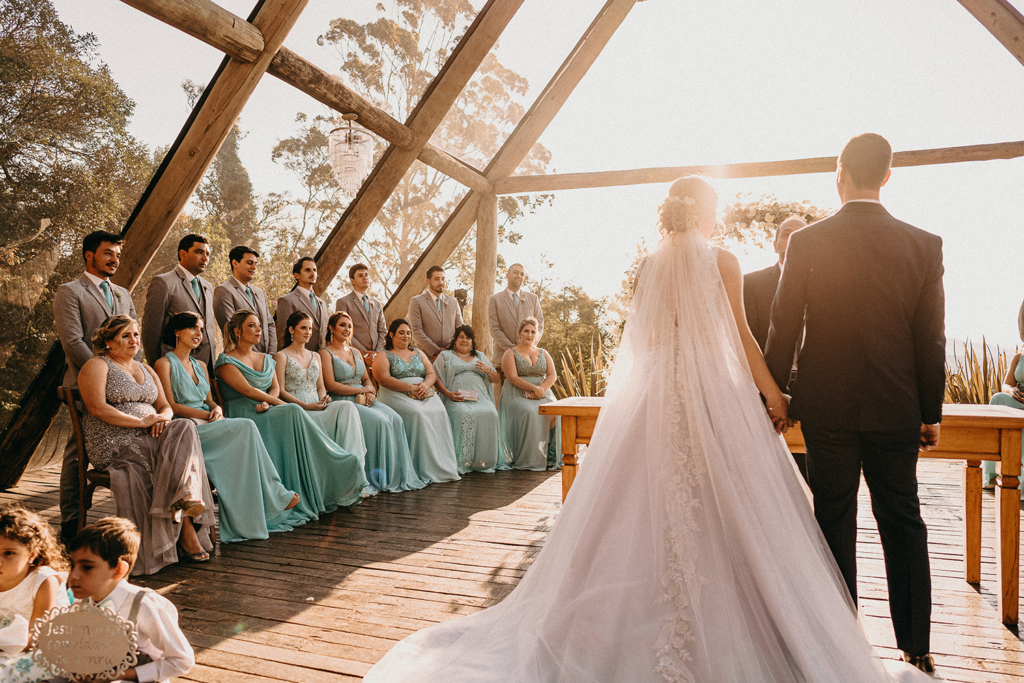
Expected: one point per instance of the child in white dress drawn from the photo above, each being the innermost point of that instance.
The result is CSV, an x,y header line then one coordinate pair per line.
x,y
31,583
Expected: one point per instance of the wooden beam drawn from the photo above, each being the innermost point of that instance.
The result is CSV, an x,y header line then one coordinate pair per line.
x,y
486,268
438,99
208,22
760,169
1002,20
28,425
515,148
330,90
455,169
215,114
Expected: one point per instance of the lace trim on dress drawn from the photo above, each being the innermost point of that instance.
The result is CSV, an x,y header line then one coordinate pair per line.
x,y
468,451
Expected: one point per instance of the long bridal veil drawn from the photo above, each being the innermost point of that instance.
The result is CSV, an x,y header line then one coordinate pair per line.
x,y
686,550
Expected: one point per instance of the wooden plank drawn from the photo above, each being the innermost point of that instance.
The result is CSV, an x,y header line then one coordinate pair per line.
x,y
486,268
456,169
208,22
33,417
438,99
213,118
514,149
1002,20
643,176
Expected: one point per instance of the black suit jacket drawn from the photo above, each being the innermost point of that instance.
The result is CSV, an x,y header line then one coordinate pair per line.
x,y
873,358
758,294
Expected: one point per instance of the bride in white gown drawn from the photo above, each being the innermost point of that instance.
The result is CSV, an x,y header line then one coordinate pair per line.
x,y
687,549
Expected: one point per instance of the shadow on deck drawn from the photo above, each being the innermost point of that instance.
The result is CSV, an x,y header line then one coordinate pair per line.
x,y
323,602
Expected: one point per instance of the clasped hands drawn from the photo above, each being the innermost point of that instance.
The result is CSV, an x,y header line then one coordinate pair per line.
x,y
419,391
779,414
155,423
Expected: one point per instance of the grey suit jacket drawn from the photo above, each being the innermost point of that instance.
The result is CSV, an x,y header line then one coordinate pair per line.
x,y
169,294
229,296
503,319
369,329
432,330
79,308
293,301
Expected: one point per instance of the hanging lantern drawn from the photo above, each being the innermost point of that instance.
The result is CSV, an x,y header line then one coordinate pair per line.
x,y
351,152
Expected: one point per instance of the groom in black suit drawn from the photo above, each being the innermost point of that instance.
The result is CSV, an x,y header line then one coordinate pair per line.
x,y
870,376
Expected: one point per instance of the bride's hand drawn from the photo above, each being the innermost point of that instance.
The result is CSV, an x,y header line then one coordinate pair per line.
x,y
779,412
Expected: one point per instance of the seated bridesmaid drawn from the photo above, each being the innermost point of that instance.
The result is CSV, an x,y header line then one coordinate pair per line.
x,y
464,379
251,497
156,465
388,461
302,382
406,379
308,461
529,440
1012,395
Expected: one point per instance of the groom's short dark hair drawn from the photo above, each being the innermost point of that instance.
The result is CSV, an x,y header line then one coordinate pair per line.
x,y
867,159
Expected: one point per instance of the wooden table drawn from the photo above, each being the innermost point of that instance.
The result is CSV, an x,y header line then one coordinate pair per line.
x,y
971,433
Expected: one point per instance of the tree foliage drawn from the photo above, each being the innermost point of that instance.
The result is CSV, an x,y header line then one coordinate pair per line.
x,y
391,61
65,156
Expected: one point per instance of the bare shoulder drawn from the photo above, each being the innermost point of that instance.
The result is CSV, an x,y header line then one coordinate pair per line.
x,y
728,264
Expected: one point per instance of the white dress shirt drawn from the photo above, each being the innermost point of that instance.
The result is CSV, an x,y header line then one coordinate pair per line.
x,y
95,279
160,637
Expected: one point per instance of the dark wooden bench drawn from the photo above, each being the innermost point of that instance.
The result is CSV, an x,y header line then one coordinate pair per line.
x,y
88,478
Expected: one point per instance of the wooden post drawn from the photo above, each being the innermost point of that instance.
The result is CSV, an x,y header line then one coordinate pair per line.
x,y
972,521
446,87
486,268
208,22
570,459
1002,20
516,147
1008,524
215,115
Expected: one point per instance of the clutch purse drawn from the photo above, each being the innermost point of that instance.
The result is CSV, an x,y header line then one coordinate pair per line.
x,y
361,399
430,393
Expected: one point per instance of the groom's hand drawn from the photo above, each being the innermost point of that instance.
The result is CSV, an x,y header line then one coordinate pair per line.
x,y
929,437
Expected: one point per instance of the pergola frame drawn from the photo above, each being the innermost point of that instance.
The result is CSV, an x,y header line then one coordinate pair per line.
x,y
254,47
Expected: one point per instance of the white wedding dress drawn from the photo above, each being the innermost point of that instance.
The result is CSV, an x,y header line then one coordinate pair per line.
x,y
687,549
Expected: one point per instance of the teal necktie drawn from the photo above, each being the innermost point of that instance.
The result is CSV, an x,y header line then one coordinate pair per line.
x,y
438,304
312,300
515,299
366,304
196,289
105,286
248,293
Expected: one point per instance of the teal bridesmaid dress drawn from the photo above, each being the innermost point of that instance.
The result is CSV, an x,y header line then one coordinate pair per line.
x,y
988,467
527,443
308,461
340,421
474,423
251,496
389,464
426,423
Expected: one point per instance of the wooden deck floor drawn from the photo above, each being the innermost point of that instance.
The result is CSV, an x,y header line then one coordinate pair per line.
x,y
322,603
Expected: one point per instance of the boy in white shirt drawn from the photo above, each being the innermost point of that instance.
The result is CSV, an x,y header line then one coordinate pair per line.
x,y
102,556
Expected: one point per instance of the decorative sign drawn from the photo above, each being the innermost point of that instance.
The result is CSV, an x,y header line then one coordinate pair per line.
x,y
85,640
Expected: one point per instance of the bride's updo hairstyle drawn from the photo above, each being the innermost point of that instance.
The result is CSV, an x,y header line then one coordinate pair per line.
x,y
692,204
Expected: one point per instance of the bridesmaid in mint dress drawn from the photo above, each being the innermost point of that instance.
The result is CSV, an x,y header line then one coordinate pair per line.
x,y
461,368
308,461
388,461
1012,395
406,381
253,501
302,382
529,440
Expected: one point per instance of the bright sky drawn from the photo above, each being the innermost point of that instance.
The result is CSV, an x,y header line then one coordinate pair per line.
x,y
692,83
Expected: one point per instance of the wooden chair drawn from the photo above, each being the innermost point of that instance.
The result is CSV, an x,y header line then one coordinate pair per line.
x,y
88,479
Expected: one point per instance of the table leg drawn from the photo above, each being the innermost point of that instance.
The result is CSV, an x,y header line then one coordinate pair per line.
x,y
569,460
972,521
1008,524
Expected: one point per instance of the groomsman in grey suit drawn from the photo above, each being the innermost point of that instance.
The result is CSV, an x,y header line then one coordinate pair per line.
x,y
79,308
179,290
369,329
433,315
302,298
506,308
238,293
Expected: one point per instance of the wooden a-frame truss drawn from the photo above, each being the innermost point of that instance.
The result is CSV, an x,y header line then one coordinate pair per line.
x,y
254,47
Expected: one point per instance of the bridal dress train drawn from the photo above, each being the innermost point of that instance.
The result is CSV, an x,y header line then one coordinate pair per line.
x,y
687,549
